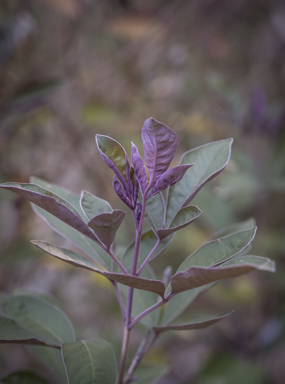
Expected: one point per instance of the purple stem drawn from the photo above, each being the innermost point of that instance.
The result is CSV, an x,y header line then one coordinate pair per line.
x,y
147,311
147,259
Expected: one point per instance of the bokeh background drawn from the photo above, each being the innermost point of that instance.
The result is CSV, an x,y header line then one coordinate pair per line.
x,y
209,69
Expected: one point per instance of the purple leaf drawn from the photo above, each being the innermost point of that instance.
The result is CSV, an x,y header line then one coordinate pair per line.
x,y
85,262
139,168
53,204
115,157
169,177
121,193
195,277
106,224
160,143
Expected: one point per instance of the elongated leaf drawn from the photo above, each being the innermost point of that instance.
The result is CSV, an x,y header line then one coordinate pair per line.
x,y
169,177
69,256
197,276
263,263
154,211
115,157
218,251
177,304
91,361
40,317
247,224
210,253
92,205
12,332
65,194
160,143
183,218
76,260
52,204
23,377
139,168
106,224
210,160
148,241
121,192
197,323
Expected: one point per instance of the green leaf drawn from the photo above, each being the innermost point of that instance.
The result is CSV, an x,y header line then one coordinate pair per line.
x,y
247,224
86,245
209,160
149,373
197,276
51,358
154,211
218,251
23,377
262,263
40,317
92,205
148,241
12,332
183,218
197,323
53,204
210,253
73,258
91,362
106,224
177,304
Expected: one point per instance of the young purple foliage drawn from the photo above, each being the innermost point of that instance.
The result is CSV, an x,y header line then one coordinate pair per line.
x,y
91,224
160,144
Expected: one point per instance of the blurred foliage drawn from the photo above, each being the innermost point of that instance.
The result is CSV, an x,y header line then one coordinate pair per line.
x,y
210,70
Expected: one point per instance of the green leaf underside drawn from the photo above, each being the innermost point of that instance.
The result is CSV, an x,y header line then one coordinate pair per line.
x,y
53,204
219,250
247,224
183,218
91,362
209,160
148,241
92,205
50,357
195,277
38,316
79,261
23,377
154,212
208,254
82,242
177,304
12,332
149,374
65,194
114,151
197,323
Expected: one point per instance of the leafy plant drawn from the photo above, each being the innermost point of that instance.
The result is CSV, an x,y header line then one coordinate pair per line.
x,y
91,224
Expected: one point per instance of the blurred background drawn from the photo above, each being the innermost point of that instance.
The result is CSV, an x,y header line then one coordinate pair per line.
x,y
210,70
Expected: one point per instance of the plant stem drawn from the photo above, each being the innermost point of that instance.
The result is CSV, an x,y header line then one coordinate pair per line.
x,y
124,352
142,351
120,300
146,312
